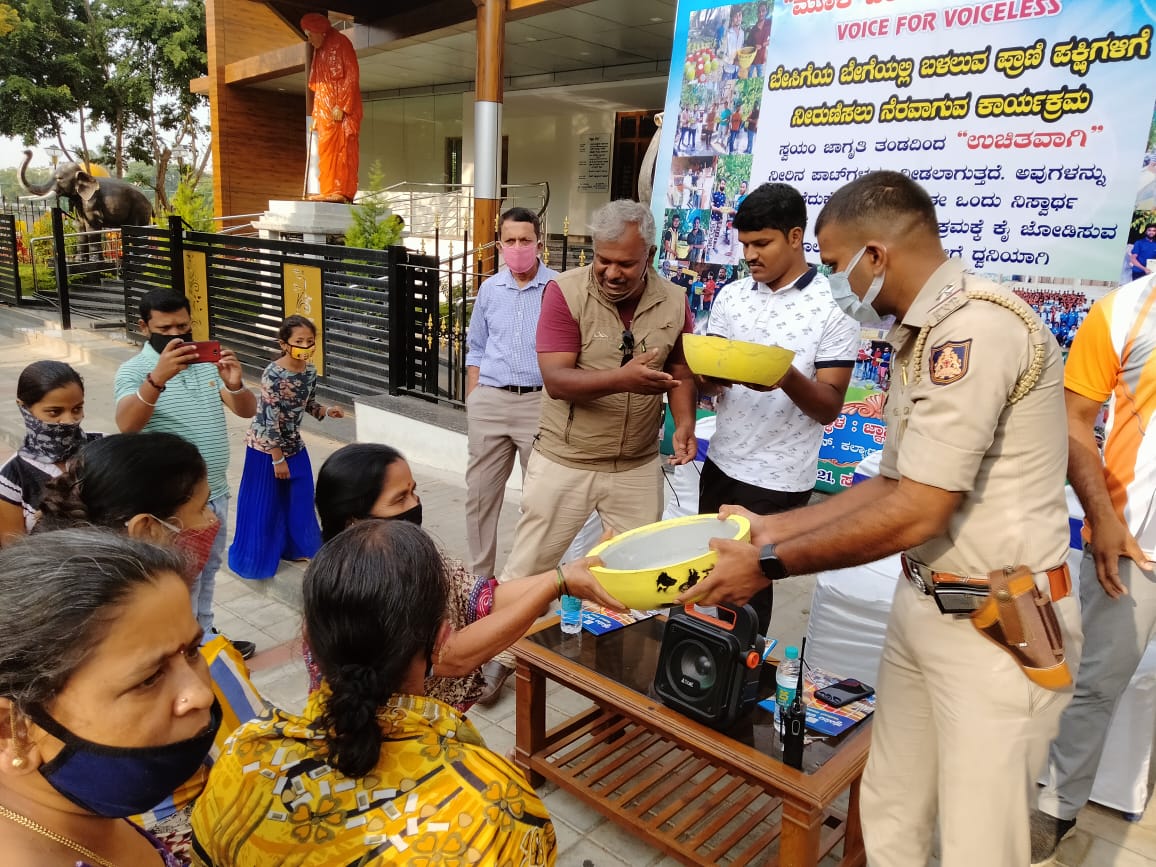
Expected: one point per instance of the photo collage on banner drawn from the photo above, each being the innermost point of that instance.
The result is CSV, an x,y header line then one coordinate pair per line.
x,y
1026,121
715,127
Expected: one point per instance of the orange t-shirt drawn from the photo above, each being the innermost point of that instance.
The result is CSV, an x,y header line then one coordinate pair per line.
x,y
1112,359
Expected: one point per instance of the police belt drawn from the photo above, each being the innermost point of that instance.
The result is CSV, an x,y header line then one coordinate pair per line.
x,y
963,594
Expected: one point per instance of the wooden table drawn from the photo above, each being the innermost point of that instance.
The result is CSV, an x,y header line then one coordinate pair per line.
x,y
700,795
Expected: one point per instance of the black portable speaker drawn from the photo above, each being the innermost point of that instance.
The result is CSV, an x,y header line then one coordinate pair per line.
x,y
709,667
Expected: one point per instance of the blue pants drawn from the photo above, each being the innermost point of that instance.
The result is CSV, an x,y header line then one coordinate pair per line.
x,y
206,582
275,517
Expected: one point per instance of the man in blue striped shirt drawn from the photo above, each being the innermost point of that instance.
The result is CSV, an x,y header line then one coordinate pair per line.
x,y
503,388
162,389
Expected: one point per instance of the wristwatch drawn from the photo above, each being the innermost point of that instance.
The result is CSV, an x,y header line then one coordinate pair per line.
x,y
770,563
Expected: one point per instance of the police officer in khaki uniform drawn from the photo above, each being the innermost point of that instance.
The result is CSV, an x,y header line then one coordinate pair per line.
x,y
972,482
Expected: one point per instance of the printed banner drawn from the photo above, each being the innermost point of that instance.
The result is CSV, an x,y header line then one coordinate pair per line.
x,y
197,291
301,285
1026,120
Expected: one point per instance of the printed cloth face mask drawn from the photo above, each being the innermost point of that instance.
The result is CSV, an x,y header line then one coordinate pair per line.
x,y
195,544
51,443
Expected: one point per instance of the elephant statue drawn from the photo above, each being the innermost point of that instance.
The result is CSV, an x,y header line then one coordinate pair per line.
x,y
97,203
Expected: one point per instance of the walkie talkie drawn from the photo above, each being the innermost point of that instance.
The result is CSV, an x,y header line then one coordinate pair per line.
x,y
795,720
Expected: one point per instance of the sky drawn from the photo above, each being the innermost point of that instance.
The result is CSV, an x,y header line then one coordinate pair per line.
x,y
12,153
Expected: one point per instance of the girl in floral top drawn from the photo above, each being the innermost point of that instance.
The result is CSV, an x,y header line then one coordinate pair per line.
x,y
275,519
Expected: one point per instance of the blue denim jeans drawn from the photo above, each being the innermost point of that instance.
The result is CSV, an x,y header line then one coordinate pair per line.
x,y
206,583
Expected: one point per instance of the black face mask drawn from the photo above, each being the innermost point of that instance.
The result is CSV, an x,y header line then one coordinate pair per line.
x,y
160,341
412,515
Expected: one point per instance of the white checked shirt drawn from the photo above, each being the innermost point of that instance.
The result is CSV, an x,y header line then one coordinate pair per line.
x,y
762,438
504,327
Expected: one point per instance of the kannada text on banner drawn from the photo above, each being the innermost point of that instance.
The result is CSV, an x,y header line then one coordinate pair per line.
x,y
1026,121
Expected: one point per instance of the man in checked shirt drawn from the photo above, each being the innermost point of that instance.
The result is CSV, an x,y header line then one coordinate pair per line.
x,y
503,384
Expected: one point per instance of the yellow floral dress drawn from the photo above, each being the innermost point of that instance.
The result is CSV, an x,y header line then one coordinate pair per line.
x,y
438,796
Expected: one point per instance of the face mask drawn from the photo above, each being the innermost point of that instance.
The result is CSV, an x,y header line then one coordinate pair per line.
x,y
520,259
160,341
50,443
412,515
616,295
301,353
195,544
117,782
857,308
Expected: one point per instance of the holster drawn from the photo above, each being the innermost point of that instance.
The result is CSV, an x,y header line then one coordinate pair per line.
x,y
1021,620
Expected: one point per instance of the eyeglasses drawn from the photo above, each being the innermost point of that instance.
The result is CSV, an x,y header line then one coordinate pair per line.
x,y
627,347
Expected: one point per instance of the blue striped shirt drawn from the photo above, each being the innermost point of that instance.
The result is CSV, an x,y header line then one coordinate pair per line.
x,y
503,329
190,407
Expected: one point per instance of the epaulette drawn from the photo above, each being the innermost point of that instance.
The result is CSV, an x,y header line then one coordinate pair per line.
x,y
951,297
957,297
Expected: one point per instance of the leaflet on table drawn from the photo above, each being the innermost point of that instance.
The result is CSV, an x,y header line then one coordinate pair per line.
x,y
598,620
821,717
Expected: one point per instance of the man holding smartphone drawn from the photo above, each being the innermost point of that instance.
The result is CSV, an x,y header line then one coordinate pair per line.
x,y
163,388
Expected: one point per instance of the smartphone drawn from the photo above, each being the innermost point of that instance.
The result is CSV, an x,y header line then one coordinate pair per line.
x,y
843,692
207,351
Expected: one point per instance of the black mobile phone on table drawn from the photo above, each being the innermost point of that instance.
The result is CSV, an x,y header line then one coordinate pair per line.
x,y
844,692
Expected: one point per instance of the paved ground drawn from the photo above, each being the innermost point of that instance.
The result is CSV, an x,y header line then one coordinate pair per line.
x,y
268,612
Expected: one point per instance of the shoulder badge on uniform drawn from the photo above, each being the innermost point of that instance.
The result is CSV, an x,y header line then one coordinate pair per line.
x,y
949,361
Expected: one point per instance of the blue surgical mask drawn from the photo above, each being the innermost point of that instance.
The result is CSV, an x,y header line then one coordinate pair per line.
x,y
118,782
857,308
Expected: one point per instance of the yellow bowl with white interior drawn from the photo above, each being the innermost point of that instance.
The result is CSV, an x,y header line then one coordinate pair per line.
x,y
650,566
736,360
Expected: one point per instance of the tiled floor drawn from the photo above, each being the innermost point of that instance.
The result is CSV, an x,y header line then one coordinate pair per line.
x,y
268,613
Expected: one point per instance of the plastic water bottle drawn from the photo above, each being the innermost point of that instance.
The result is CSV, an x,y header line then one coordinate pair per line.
x,y
786,681
571,615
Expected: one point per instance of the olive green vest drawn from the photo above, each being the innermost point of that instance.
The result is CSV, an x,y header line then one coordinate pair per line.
x,y
620,431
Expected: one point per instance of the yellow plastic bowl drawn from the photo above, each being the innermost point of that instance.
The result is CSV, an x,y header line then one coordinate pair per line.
x,y
650,566
746,56
736,360
683,249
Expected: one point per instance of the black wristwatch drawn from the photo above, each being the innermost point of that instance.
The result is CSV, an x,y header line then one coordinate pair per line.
x,y
770,563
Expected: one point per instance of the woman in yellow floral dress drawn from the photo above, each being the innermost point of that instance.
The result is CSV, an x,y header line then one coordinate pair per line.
x,y
374,772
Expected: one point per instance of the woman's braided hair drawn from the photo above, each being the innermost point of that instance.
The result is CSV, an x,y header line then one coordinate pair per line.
x,y
375,598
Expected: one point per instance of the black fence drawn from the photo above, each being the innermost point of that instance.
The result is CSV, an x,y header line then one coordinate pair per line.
x,y
378,311
9,261
392,320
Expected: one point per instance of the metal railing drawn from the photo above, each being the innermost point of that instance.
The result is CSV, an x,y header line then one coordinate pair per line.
x,y
85,253
27,208
449,208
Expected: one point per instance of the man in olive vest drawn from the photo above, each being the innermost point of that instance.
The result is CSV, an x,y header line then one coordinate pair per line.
x,y
609,348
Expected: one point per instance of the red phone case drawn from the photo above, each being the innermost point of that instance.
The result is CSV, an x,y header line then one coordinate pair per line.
x,y
208,351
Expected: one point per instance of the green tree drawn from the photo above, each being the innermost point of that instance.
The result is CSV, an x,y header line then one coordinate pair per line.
x,y
193,205
160,47
374,226
48,70
9,18
125,63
